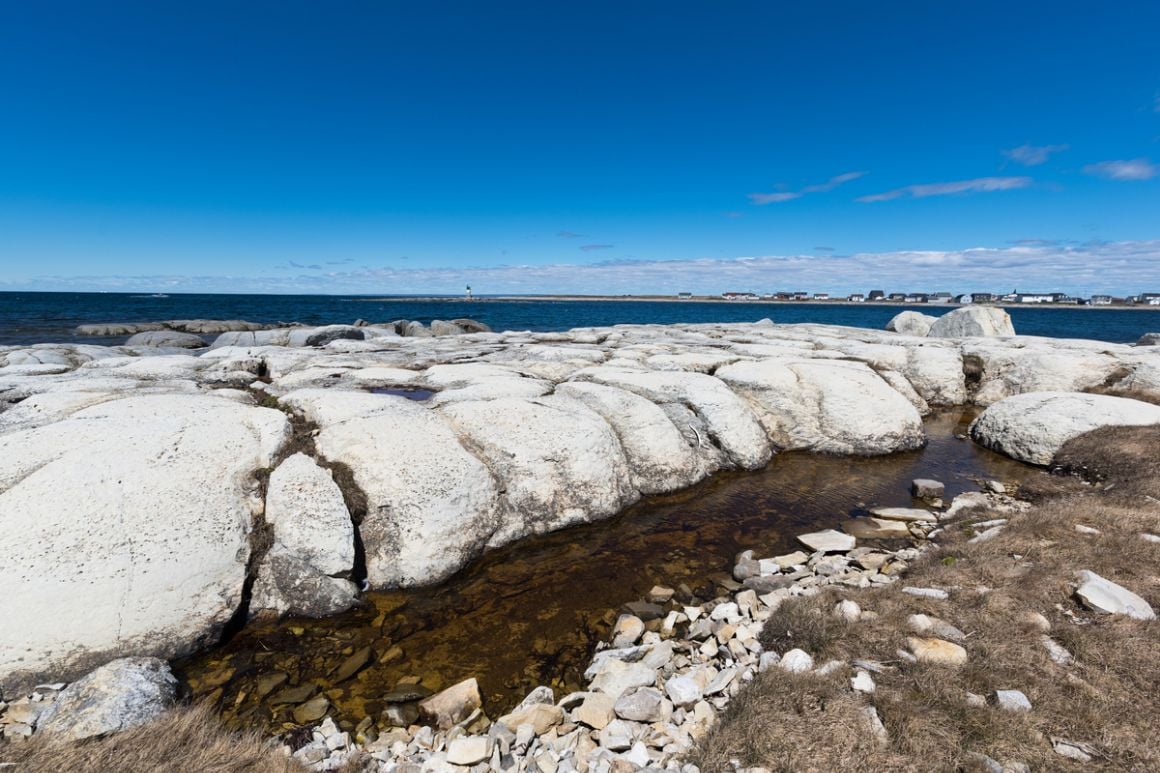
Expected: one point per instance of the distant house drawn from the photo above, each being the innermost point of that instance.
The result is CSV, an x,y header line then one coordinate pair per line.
x,y
799,295
899,297
1150,299
821,296
684,296
941,298
767,296
1035,298
1068,300
980,298
876,295
857,298
1101,300
916,298
740,296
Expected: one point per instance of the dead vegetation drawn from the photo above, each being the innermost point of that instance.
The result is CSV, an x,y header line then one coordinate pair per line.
x,y
187,739
1106,698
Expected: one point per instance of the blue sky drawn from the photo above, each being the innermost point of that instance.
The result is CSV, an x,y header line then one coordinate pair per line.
x,y
590,147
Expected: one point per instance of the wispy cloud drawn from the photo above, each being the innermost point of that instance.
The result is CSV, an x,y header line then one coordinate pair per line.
x,y
1091,267
1134,169
1033,155
833,182
772,198
977,185
570,235
761,199
595,247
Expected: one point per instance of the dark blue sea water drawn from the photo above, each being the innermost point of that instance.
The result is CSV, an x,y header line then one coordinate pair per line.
x,y
27,318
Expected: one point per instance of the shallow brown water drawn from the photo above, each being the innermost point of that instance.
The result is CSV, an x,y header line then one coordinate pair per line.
x,y
531,613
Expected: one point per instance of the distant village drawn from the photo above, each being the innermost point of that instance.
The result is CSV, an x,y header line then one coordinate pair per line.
x,y
1015,297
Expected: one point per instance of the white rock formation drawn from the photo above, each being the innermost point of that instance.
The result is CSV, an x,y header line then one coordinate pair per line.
x,y
508,434
827,406
431,505
973,322
125,528
560,463
911,323
1032,427
304,570
660,458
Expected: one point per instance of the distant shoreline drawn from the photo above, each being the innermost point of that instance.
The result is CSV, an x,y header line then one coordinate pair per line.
x,y
760,302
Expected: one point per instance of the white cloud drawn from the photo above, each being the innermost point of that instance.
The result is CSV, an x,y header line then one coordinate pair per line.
x,y
1134,169
1112,267
833,182
1033,155
772,198
977,185
829,185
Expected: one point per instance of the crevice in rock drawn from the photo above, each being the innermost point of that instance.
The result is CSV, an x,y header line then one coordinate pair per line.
x,y
356,504
973,368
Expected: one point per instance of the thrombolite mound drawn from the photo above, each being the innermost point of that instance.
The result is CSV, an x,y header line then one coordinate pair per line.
x,y
1032,427
125,528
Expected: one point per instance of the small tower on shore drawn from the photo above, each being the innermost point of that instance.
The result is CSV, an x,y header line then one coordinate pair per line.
x,y
468,296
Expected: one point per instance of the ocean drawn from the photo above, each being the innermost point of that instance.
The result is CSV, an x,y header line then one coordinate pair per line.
x,y
28,318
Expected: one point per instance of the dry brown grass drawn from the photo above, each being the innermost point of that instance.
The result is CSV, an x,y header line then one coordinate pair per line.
x,y
1107,698
184,739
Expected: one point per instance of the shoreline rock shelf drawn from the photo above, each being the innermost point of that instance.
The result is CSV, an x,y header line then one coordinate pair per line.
x,y
135,477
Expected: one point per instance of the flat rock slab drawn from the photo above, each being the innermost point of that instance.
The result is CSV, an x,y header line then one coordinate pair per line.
x,y
876,528
828,541
904,514
1106,596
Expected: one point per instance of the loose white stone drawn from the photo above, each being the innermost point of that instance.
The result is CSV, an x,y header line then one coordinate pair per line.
x,y
829,541
796,661
1106,596
1011,700
862,682
930,593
